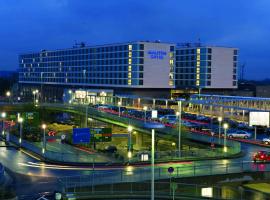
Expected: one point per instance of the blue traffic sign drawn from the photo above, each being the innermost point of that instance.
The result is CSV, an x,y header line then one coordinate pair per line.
x,y
81,135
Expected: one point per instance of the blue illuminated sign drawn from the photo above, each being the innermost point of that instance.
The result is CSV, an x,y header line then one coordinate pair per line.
x,y
154,54
81,135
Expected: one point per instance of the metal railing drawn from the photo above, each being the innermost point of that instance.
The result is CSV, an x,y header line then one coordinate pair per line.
x,y
190,169
163,190
52,155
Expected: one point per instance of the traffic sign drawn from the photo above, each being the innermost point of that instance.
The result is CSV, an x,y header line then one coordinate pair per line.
x,y
102,134
170,170
63,137
81,135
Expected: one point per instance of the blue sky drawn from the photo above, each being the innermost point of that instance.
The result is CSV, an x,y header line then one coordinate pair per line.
x,y
32,25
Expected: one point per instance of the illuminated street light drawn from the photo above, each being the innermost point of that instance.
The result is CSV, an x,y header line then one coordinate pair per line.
x,y
119,108
145,109
219,128
225,126
130,128
44,140
129,154
8,94
20,120
3,115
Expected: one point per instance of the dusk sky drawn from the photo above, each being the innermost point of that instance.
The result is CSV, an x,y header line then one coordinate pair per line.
x,y
32,25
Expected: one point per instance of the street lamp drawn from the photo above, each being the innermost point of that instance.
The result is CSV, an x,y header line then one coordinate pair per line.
x,y
8,94
20,120
44,141
119,108
145,109
130,128
225,126
219,127
153,126
179,126
3,115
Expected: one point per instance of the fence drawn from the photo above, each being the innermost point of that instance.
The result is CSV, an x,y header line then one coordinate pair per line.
x,y
52,155
163,190
131,174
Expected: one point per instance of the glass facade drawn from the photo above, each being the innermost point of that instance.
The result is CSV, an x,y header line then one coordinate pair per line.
x,y
115,65
193,67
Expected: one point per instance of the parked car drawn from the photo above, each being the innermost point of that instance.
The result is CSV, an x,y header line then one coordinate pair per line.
x,y
168,118
266,141
261,156
238,134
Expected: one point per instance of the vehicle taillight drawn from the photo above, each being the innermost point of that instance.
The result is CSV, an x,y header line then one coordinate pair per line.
x,y
262,156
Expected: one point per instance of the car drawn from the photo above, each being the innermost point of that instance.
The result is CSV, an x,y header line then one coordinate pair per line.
x,y
261,156
167,118
238,134
266,140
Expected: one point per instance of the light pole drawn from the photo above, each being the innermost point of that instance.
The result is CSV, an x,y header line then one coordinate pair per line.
x,y
153,166
225,126
44,139
145,109
20,120
219,128
8,94
130,128
3,115
153,126
119,108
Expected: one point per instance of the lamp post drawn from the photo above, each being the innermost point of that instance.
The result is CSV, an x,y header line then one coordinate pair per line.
x,y
8,94
3,115
44,139
219,128
119,108
145,109
130,128
20,120
153,126
179,133
225,126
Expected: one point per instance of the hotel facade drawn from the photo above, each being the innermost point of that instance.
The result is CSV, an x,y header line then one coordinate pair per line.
x,y
138,68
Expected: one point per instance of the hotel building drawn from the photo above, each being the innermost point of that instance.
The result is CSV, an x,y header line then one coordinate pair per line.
x,y
144,68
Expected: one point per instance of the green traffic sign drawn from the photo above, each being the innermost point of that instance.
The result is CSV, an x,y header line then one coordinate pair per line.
x,y
101,134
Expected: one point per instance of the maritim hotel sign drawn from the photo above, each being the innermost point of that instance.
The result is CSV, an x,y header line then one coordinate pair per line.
x,y
157,54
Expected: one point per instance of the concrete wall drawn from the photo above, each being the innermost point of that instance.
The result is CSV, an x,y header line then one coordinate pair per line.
x,y
222,68
156,70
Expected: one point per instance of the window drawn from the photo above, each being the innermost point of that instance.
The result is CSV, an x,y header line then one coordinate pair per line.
x,y
141,46
235,52
208,83
209,57
209,50
140,82
235,58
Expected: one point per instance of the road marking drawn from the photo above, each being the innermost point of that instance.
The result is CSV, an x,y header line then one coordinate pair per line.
x,y
25,152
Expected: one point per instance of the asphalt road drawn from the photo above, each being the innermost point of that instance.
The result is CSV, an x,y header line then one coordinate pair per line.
x,y
29,172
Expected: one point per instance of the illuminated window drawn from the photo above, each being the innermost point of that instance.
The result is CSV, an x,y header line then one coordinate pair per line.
x,y
130,54
198,51
129,61
129,82
129,47
171,62
129,68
